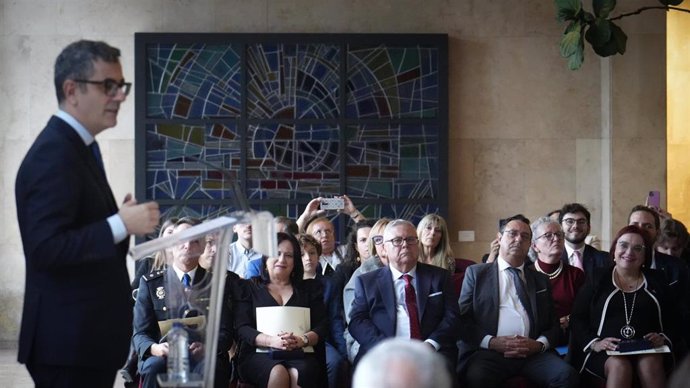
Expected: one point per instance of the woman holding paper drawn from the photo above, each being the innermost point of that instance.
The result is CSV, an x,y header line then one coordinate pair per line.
x,y
276,349
623,309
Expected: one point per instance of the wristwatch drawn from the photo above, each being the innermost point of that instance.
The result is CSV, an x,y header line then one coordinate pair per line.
x,y
305,339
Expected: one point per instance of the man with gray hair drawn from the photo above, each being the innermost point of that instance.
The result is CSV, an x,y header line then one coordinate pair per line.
x,y
405,299
401,363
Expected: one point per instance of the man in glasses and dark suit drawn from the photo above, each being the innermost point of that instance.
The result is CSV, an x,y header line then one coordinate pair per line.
x,y
77,313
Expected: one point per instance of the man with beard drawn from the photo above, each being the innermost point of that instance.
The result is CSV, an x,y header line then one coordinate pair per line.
x,y
575,221
507,319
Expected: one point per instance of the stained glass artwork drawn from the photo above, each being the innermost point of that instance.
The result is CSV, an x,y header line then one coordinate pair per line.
x,y
399,161
192,81
285,121
191,161
385,81
293,161
292,81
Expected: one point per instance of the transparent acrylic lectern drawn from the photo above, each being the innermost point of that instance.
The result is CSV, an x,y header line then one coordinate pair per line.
x,y
199,307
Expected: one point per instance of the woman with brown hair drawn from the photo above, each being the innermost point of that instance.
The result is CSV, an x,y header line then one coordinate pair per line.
x,y
618,305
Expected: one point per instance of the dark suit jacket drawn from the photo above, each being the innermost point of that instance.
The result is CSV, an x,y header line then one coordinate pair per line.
x,y
373,314
160,297
77,299
479,305
591,259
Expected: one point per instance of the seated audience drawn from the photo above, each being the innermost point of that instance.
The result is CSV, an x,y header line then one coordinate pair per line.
x,y
400,363
336,353
173,293
566,280
434,242
406,299
507,321
621,303
281,284
376,261
575,221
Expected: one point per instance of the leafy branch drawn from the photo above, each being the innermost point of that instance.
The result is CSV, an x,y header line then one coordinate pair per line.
x,y
605,37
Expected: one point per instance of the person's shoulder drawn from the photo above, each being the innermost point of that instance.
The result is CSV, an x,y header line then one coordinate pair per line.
x,y
371,276
151,276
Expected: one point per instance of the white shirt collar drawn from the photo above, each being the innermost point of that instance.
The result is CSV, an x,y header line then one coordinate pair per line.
x,y
397,274
181,273
503,264
85,135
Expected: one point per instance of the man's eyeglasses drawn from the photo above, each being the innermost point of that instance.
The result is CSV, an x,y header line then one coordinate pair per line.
x,y
378,239
110,86
550,235
572,221
624,245
398,241
512,233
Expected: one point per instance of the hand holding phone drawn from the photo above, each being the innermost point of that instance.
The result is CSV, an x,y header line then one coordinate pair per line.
x,y
653,199
332,204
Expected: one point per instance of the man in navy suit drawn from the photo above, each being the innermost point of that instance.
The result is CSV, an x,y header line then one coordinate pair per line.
x,y
507,319
575,221
77,316
383,301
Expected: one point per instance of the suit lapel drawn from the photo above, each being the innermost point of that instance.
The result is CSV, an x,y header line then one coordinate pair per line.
x,y
493,308
387,290
423,288
532,294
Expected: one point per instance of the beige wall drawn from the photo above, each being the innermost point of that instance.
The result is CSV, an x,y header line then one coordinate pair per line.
x,y
526,134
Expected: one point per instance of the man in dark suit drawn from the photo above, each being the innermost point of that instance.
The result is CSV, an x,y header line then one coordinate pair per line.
x,y
77,313
507,320
575,221
179,291
405,299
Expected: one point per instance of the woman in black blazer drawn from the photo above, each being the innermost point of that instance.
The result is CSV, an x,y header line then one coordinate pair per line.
x,y
620,304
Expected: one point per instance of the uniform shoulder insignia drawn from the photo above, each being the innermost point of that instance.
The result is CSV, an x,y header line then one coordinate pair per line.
x,y
154,275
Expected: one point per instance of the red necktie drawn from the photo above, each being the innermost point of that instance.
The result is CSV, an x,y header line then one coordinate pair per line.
x,y
411,303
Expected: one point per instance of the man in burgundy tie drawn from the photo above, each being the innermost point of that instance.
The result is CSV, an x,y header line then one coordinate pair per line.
x,y
405,299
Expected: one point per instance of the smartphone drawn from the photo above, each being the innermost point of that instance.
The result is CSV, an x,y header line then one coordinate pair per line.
x,y
332,204
654,199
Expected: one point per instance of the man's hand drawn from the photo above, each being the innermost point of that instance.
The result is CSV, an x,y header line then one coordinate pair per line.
x,y
159,350
139,219
312,210
196,350
515,346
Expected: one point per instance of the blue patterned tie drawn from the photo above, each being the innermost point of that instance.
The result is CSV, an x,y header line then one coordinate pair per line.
x,y
96,151
522,294
186,280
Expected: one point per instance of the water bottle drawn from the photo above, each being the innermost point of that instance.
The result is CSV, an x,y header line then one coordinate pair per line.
x,y
178,355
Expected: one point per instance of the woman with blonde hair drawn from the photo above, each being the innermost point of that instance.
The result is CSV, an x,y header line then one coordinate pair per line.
x,y
434,242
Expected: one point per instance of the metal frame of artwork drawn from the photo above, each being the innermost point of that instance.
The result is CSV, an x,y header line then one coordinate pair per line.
x,y
284,118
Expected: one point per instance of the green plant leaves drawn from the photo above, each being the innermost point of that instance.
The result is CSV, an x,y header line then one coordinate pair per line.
x,y
606,38
568,9
602,8
572,44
